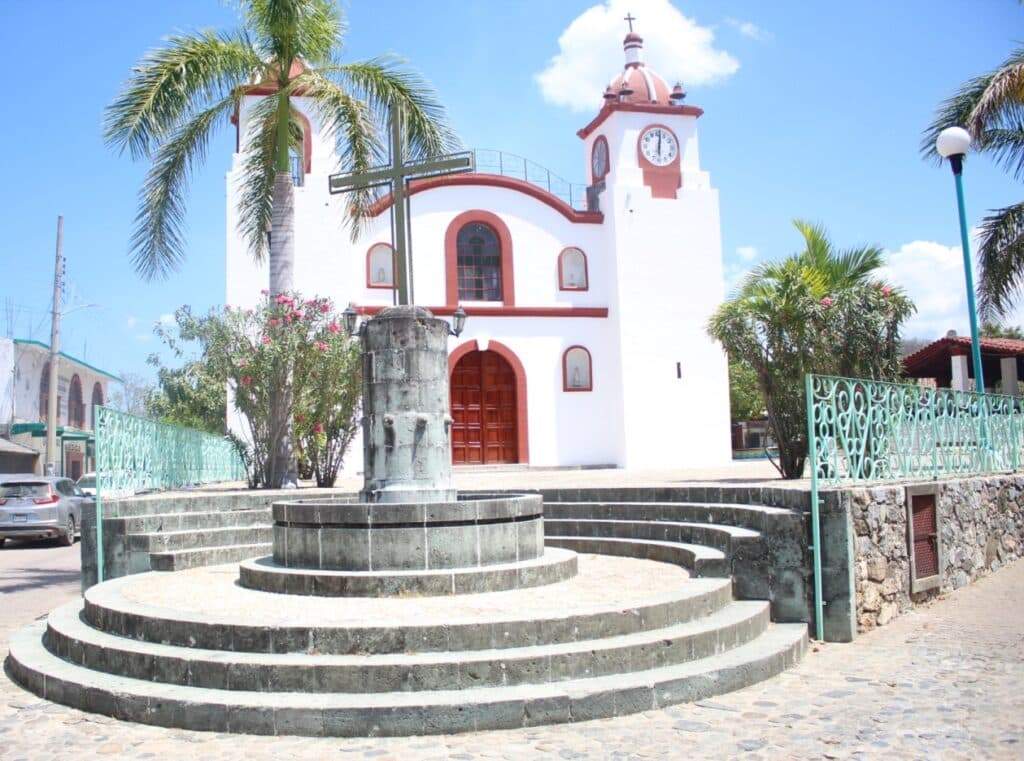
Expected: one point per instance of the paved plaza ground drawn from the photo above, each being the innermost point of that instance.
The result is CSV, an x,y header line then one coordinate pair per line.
x,y
945,681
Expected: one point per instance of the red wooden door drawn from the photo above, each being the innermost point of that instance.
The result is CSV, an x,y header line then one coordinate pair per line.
x,y
483,391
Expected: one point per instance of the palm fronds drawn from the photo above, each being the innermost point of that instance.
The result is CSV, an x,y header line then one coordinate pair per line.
x,y
157,243
172,83
1001,258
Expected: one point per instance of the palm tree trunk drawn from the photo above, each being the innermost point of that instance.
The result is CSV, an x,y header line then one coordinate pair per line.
x,y
283,466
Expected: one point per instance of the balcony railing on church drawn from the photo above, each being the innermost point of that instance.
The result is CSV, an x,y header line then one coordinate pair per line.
x,y
510,165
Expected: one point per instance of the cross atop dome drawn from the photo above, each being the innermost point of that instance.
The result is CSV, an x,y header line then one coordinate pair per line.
x,y
629,19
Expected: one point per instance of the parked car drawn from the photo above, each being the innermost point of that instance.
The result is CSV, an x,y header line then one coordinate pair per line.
x,y
40,507
87,484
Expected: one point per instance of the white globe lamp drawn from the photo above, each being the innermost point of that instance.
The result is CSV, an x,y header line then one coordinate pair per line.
x,y
953,141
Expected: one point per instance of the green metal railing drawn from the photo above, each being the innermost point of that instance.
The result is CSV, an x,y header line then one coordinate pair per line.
x,y
134,455
862,431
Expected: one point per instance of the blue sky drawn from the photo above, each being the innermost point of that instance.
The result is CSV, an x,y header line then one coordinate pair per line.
x,y
812,110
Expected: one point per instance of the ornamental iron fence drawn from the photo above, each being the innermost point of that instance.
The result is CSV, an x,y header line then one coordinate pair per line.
x,y
863,431
136,455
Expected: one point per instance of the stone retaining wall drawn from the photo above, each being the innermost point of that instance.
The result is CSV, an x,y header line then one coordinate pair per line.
x,y
981,527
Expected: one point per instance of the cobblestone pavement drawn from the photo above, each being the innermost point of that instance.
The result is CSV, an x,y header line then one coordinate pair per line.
x,y
945,681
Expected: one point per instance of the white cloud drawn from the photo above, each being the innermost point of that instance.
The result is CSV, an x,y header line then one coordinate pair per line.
x,y
749,29
747,253
166,319
933,277
590,51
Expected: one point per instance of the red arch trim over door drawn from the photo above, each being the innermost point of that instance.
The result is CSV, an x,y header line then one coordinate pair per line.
x,y
451,255
522,429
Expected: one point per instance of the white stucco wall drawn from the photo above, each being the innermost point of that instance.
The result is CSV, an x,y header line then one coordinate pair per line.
x,y
654,263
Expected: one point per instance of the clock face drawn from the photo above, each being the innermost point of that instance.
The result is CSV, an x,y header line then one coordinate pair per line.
x,y
599,159
659,146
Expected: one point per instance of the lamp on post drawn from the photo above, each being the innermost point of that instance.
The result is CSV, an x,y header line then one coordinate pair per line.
x,y
952,144
350,317
458,321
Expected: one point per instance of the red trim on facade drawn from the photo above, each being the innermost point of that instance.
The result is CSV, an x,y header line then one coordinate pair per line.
x,y
663,181
607,159
522,418
643,108
369,279
565,370
494,181
561,270
451,255
477,311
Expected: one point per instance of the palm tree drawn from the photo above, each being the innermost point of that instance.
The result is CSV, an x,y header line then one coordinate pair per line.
x,y
991,108
821,310
179,94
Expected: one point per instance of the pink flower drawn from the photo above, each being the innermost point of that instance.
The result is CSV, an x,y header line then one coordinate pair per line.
x,y
265,340
273,322
334,328
246,380
324,307
298,314
243,362
886,290
282,299
826,302
321,346
318,428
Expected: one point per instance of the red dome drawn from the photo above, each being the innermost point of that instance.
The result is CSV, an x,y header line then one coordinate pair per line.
x,y
645,85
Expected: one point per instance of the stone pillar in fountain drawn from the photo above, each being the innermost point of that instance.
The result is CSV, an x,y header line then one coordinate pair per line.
x,y
406,420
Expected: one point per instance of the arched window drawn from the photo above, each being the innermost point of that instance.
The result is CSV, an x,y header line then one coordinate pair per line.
x,y
572,270
76,405
577,373
479,263
97,401
44,391
380,266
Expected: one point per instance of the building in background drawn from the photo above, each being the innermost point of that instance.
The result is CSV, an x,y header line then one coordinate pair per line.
x,y
947,363
25,379
586,342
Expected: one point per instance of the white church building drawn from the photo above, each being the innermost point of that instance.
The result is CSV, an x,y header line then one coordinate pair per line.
x,y
586,340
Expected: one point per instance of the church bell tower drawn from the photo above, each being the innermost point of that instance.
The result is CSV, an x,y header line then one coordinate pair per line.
x,y
663,233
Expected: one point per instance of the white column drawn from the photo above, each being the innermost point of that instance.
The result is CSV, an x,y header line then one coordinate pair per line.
x,y
961,381
1008,371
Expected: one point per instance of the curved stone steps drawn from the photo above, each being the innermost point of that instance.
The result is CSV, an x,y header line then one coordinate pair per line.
x,y
192,539
728,539
747,516
702,561
71,639
397,713
106,609
179,560
160,522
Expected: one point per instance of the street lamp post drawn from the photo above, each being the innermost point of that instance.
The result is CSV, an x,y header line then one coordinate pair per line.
x,y
952,144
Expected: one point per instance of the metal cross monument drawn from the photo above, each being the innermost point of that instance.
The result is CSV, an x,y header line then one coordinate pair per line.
x,y
397,174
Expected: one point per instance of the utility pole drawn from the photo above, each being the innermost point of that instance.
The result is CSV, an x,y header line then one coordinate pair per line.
x,y
51,401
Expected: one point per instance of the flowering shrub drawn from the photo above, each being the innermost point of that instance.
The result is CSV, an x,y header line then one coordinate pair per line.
x,y
294,377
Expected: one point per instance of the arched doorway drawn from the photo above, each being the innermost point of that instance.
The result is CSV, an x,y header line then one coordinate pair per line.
x,y
485,411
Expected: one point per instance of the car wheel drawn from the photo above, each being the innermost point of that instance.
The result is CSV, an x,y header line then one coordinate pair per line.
x,y
68,538
3,540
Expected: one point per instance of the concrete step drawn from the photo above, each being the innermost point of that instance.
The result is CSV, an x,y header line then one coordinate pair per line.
x,y
70,638
178,560
31,665
146,524
701,560
196,539
728,539
748,516
108,610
